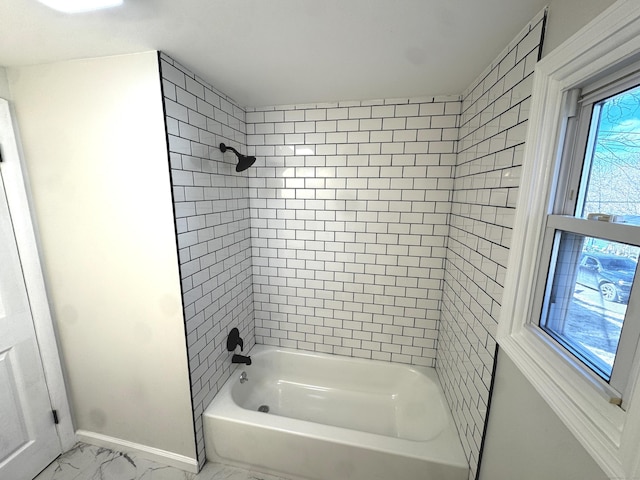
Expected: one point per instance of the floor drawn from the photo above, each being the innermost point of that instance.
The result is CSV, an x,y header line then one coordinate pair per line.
x,y
87,462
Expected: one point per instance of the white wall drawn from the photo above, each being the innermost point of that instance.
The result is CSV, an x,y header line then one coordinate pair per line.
x,y
4,84
525,438
566,17
95,149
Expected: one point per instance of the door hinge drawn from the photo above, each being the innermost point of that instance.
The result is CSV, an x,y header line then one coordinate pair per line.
x,y
55,416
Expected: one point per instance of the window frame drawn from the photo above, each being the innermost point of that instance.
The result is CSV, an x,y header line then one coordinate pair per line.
x,y
610,434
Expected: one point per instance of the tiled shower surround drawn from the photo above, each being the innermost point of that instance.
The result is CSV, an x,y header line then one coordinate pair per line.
x,y
495,110
211,207
377,229
349,218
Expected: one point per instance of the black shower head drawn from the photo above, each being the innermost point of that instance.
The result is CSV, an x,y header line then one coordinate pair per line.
x,y
244,161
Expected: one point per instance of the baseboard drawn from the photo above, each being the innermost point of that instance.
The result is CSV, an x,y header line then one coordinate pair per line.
x,y
150,453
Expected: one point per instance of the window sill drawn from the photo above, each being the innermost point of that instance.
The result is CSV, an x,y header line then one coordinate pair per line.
x,y
580,402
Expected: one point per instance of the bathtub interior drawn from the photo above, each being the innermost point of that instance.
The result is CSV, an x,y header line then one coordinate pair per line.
x,y
395,401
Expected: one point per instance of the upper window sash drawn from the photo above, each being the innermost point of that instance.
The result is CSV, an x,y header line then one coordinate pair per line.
x,y
580,112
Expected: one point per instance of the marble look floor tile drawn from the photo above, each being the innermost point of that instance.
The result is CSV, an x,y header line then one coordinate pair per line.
x,y
88,462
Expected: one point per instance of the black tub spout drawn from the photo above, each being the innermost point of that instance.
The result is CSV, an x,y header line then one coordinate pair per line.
x,y
241,359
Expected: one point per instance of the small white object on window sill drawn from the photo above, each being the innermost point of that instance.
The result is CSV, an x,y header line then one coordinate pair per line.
x,y
601,217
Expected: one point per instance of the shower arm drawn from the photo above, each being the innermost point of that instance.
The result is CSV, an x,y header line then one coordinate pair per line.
x,y
244,161
224,148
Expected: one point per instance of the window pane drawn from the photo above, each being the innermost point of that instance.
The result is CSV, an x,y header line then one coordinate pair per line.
x,y
586,299
612,160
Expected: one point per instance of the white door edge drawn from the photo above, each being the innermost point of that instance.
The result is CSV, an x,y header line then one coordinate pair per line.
x,y
17,198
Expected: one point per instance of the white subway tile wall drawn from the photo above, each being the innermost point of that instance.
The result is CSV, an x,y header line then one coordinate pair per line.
x,y
349,220
211,207
493,125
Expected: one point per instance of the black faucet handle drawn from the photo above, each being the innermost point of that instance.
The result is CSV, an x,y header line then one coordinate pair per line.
x,y
233,340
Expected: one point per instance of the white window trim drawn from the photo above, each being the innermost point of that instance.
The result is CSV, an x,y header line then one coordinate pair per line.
x,y
611,435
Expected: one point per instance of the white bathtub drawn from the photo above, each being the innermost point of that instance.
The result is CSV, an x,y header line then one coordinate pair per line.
x,y
334,418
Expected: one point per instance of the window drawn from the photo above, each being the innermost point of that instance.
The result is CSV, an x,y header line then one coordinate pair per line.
x,y
592,235
570,312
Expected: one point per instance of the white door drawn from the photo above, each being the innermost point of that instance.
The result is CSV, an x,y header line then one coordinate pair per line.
x,y
28,436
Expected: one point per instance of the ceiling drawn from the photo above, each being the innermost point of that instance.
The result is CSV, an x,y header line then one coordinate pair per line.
x,y
274,52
